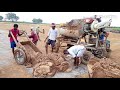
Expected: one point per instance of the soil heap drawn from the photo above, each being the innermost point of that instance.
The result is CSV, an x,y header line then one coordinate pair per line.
x,y
106,69
48,65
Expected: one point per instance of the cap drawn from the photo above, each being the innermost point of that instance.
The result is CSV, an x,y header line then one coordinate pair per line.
x,y
53,24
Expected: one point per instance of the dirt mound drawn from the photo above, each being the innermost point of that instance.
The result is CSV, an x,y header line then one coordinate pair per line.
x,y
44,69
48,65
106,69
74,24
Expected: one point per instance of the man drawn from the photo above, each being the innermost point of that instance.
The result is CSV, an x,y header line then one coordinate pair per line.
x,y
102,35
99,19
76,52
52,35
15,33
95,16
38,31
34,36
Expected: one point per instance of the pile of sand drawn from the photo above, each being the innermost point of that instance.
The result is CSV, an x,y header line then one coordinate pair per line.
x,y
48,65
74,24
106,69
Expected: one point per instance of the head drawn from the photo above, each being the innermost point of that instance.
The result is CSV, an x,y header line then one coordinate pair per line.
x,y
95,16
53,26
15,26
66,51
31,28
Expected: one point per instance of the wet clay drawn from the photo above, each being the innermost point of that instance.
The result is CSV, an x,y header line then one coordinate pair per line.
x,y
49,64
44,65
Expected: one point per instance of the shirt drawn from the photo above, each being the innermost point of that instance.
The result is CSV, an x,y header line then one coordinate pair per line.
x,y
101,37
98,19
15,34
52,34
33,36
37,30
74,50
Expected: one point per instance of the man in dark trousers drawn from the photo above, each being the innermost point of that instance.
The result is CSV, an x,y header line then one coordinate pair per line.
x,y
52,35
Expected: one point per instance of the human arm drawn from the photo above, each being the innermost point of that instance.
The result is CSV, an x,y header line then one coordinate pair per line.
x,y
56,33
31,36
9,35
71,53
47,36
40,31
19,34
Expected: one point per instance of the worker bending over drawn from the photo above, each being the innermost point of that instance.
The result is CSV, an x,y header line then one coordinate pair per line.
x,y
76,52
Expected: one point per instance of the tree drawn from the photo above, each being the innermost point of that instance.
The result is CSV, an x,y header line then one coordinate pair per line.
x,y
1,18
12,17
16,18
37,20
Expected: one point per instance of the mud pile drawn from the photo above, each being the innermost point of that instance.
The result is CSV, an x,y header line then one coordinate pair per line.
x,y
106,69
74,24
44,69
48,65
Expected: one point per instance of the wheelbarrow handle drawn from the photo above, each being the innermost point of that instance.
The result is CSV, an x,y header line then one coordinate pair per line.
x,y
13,37
17,43
25,33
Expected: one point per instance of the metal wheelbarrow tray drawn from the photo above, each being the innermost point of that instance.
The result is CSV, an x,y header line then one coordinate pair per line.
x,y
25,51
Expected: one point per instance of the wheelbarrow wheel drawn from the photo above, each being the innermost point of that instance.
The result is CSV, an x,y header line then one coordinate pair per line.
x,y
86,57
20,56
101,53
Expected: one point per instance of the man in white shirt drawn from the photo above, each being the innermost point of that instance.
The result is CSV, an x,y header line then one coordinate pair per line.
x,y
52,35
76,52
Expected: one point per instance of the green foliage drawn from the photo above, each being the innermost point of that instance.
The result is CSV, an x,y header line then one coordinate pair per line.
x,y
37,21
1,18
115,28
12,17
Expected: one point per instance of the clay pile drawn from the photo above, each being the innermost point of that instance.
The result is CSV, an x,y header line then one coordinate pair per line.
x,y
48,65
74,24
106,69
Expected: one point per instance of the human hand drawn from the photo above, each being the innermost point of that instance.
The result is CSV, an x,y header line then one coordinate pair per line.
x,y
45,40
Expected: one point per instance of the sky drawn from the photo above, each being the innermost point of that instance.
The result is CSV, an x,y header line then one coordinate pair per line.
x,y
63,17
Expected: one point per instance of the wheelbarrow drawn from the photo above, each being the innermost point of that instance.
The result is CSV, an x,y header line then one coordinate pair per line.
x,y
21,53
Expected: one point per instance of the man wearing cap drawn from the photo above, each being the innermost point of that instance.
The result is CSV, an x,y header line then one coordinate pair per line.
x,y
52,35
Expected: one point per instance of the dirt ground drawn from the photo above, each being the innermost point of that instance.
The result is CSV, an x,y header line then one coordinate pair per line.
x,y
8,66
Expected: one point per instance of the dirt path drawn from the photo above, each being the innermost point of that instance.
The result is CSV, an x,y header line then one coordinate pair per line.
x,y
8,66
